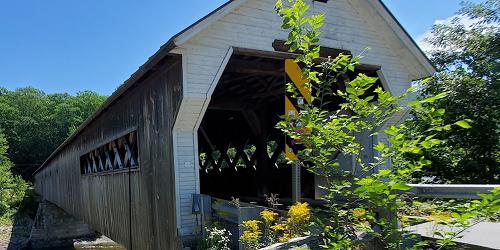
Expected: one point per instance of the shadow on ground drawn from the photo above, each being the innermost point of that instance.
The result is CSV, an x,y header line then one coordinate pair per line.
x,y
17,235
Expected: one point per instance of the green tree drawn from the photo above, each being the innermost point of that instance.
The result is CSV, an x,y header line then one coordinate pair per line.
x,y
366,200
468,61
12,188
23,116
35,123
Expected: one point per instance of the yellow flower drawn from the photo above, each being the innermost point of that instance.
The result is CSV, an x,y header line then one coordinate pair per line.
x,y
441,216
358,213
300,211
405,221
298,219
280,227
268,216
250,225
284,238
251,234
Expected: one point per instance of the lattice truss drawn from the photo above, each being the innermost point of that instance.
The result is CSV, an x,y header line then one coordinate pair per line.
x,y
119,154
237,157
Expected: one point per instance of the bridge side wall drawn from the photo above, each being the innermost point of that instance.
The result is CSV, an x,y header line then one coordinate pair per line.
x,y
136,209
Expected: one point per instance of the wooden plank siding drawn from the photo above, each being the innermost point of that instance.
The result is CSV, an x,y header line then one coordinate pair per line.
x,y
350,25
136,208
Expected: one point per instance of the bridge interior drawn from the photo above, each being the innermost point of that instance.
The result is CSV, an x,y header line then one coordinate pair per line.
x,y
240,150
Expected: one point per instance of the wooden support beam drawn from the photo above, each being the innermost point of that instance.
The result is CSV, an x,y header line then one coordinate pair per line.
x,y
279,45
253,66
253,121
253,63
89,169
269,90
207,139
231,78
129,155
101,166
264,53
231,105
287,55
117,159
94,165
258,72
108,165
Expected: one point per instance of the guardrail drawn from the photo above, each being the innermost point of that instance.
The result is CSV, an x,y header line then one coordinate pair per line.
x,y
450,191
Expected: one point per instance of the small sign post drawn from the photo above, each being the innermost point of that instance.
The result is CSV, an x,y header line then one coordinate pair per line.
x,y
294,75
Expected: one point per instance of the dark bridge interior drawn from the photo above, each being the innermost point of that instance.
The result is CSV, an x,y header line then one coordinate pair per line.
x,y
240,150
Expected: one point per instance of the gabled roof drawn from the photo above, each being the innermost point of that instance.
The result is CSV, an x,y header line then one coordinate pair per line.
x,y
202,24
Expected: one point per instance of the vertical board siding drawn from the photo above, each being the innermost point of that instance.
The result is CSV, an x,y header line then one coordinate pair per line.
x,y
349,25
142,203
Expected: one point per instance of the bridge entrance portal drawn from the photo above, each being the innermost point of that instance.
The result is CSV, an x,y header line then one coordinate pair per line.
x,y
241,152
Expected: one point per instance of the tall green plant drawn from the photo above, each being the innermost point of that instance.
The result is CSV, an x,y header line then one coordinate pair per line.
x,y
370,201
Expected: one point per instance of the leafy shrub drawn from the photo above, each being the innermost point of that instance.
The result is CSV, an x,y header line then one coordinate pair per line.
x,y
215,239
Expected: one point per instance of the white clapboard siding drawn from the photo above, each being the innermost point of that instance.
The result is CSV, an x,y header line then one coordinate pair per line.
x,y
350,24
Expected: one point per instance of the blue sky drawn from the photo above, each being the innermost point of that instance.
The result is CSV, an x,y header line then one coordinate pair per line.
x,y
69,46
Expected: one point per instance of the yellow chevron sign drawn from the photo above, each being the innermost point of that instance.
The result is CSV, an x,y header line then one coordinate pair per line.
x,y
294,73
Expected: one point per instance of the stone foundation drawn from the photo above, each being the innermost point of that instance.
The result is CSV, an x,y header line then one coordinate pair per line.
x,y
53,227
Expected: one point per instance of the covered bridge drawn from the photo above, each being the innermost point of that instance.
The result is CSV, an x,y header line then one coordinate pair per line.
x,y
201,107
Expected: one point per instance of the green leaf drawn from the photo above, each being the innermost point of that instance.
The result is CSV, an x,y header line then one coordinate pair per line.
x,y
463,124
434,98
426,145
379,147
392,130
365,181
414,103
401,186
384,172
